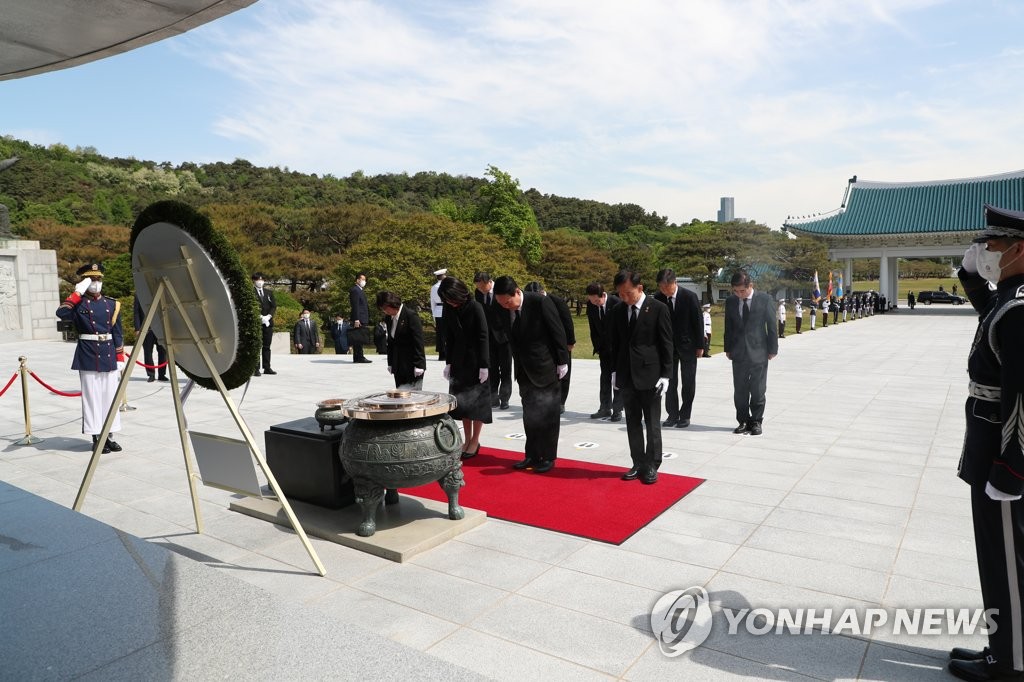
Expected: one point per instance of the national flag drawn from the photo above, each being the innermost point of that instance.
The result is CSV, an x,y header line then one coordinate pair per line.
x,y
816,292
828,296
839,285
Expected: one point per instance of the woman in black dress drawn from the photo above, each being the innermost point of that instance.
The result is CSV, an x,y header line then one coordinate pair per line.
x,y
465,337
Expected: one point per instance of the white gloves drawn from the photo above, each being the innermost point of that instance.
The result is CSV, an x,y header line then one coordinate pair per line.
x,y
970,262
562,371
266,320
661,386
417,372
483,374
390,371
998,495
82,286
447,372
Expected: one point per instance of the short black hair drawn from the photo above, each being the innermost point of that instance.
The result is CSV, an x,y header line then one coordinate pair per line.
x,y
388,298
360,274
481,276
626,275
505,286
453,291
534,286
595,289
740,278
665,276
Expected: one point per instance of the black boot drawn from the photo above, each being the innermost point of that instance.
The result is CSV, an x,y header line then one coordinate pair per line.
x,y
106,446
112,446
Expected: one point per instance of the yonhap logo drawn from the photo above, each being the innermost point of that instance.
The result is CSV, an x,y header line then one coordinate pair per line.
x,y
681,620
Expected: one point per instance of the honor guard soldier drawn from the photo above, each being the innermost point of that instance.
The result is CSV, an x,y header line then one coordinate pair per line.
x,y
97,320
992,461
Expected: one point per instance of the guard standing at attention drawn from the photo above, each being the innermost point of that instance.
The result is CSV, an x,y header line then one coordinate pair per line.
x,y
992,461
97,320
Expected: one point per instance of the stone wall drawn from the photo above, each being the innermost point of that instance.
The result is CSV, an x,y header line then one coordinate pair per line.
x,y
28,291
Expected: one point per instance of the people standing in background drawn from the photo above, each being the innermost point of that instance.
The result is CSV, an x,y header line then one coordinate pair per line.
x,y
339,333
833,306
467,369
437,310
911,301
148,343
305,335
99,348
750,342
814,313
268,307
824,311
798,314
687,346
570,335
599,307
407,361
500,355
707,329
360,318
781,314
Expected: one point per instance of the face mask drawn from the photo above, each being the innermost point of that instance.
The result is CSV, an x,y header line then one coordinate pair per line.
x,y
988,265
95,287
305,317
259,284
361,283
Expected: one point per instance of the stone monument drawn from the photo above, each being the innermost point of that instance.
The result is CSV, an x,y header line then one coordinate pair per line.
x,y
28,283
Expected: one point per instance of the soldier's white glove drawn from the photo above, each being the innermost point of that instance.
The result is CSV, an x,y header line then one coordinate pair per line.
x,y
266,320
483,374
83,286
447,372
661,386
417,372
998,495
562,370
970,262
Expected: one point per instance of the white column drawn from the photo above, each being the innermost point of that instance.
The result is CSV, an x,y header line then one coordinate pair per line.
x,y
894,281
848,275
883,274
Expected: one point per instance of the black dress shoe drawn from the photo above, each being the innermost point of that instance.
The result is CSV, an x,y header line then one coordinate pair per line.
x,y
523,464
495,403
959,652
755,429
390,496
742,428
544,467
469,454
631,475
601,414
616,417
682,423
561,409
363,360
504,404
112,446
150,379
256,373
649,477
669,422
269,371
164,379
982,671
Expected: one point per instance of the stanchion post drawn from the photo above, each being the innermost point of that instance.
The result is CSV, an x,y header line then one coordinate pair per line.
x,y
29,439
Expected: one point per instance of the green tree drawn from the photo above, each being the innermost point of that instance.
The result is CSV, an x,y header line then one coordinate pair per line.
x,y
700,251
570,263
507,214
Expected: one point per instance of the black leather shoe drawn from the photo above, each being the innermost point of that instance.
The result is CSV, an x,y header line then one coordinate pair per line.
x,y
682,423
504,405
106,446
468,454
495,403
616,416
390,496
755,429
164,379
269,371
523,464
982,671
544,467
742,428
363,360
112,446
669,422
959,652
561,409
601,414
650,477
631,475
256,373
151,379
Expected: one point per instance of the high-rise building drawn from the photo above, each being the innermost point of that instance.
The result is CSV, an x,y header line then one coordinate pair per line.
x,y
727,213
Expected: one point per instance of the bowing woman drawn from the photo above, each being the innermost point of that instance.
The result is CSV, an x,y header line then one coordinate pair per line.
x,y
466,349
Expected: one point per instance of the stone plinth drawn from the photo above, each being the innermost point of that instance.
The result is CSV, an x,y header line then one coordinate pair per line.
x,y
28,291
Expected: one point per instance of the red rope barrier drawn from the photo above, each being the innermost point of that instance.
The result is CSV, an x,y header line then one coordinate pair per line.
x,y
162,364
51,389
13,377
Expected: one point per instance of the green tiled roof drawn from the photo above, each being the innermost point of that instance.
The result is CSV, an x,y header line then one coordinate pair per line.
x,y
881,208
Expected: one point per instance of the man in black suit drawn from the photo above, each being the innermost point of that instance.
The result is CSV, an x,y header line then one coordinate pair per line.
x,y
751,340
268,306
565,315
599,307
407,361
641,340
306,336
687,346
148,343
541,360
500,354
360,319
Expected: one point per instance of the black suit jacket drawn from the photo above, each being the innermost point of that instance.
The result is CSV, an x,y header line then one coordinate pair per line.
x,y
493,313
538,341
307,335
405,346
268,306
756,338
600,334
687,323
465,341
644,355
565,315
360,308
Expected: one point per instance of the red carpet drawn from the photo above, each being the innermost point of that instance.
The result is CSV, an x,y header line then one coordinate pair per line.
x,y
579,498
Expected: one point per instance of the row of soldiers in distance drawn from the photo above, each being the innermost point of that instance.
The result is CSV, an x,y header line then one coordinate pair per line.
x,y
850,306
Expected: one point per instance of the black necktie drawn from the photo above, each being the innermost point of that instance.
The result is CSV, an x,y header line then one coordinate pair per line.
x,y
487,299
600,312
671,302
746,309
632,318
515,320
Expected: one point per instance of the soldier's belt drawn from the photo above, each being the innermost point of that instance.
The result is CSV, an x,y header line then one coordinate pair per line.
x,y
104,337
983,392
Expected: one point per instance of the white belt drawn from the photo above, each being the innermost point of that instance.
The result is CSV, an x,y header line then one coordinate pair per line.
x,y
96,337
983,392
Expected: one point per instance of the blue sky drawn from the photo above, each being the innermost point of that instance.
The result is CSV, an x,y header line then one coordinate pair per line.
x,y
668,104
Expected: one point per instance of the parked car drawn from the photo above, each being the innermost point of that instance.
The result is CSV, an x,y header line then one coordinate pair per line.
x,y
929,297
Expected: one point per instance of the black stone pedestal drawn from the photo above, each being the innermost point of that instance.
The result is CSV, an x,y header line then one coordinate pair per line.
x,y
305,463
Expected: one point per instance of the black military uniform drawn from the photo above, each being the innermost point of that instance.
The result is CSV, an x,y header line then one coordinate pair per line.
x,y
992,461
268,308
